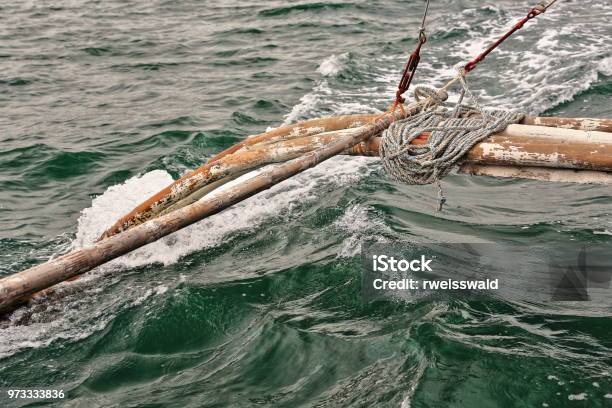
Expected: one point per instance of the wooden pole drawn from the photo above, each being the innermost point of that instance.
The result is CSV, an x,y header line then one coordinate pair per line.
x,y
586,147
600,125
195,180
519,145
180,192
16,288
522,145
538,173
189,183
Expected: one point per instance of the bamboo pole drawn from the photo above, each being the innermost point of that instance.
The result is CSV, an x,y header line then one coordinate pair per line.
x,y
198,178
517,146
328,124
199,193
343,122
522,145
17,287
588,124
231,166
331,123
509,148
538,173
247,159
184,191
195,180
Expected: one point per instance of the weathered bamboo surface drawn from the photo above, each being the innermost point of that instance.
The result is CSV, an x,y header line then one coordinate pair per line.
x,y
181,189
194,180
523,145
549,149
538,173
328,124
343,122
587,124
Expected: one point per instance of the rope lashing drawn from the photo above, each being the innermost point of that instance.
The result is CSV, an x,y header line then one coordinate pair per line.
x,y
451,133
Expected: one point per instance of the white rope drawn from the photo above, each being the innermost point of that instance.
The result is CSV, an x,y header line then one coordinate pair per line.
x,y
452,133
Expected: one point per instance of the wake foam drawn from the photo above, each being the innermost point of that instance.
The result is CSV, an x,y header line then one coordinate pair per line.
x,y
605,66
247,215
77,318
117,201
358,223
326,99
550,62
332,65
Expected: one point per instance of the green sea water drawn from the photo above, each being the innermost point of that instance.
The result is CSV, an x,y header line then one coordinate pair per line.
x,y
104,103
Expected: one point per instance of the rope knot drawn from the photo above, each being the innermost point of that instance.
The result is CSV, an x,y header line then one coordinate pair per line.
x,y
537,10
399,98
422,36
424,147
437,95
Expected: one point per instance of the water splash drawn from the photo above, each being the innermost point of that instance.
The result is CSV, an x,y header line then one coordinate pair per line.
x,y
333,65
247,215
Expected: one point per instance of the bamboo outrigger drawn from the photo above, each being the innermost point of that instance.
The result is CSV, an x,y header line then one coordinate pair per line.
x,y
559,151
517,145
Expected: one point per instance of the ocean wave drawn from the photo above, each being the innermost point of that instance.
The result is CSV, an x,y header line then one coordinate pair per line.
x,y
281,11
360,227
331,95
308,103
332,65
47,325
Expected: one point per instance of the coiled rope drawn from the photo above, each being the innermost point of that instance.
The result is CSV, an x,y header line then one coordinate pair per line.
x,y
451,132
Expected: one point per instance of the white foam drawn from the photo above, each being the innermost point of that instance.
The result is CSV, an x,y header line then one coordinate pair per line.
x,y
563,61
548,39
285,196
158,290
325,100
117,201
577,397
605,66
308,103
349,108
359,225
72,325
332,65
